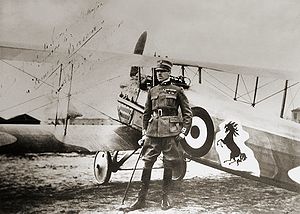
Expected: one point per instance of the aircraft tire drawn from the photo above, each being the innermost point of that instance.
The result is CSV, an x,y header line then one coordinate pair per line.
x,y
201,135
102,167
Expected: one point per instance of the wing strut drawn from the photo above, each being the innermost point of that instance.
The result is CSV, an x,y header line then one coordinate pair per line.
x,y
182,73
255,92
236,87
59,82
69,98
153,77
200,74
284,98
182,70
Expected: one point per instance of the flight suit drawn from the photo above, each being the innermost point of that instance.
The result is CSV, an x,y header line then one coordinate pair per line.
x,y
163,123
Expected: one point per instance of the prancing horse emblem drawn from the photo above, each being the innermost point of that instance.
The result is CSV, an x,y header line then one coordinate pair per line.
x,y
235,154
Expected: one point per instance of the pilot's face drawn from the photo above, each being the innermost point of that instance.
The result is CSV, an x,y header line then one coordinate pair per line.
x,y
162,75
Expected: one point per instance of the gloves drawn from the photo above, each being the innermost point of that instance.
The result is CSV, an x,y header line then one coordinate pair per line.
x,y
142,140
180,137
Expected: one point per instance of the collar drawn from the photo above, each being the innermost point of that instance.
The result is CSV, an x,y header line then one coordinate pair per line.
x,y
166,82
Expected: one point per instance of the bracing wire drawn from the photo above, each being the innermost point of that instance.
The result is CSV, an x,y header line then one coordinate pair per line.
x,y
293,98
241,101
47,104
32,99
22,103
246,88
267,97
262,86
195,73
45,81
25,72
95,85
42,106
83,44
226,86
228,95
51,74
103,113
222,84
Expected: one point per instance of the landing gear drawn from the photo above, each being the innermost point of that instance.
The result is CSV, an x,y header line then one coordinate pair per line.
x,y
105,164
102,167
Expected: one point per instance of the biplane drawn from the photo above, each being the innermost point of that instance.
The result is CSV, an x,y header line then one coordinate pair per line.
x,y
229,136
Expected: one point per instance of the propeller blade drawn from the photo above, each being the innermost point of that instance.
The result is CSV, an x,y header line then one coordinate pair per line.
x,y
139,49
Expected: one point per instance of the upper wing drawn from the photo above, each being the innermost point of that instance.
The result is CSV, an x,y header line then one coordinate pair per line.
x,y
239,69
19,52
14,97
36,54
151,61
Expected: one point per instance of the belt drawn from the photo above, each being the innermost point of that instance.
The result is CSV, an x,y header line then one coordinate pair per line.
x,y
164,112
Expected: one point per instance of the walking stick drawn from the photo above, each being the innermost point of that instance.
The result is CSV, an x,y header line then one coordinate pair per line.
x,y
127,188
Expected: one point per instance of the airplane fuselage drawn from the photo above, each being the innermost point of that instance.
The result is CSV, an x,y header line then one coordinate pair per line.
x,y
252,152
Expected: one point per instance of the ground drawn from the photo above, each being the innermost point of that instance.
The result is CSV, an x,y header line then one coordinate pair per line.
x,y
64,183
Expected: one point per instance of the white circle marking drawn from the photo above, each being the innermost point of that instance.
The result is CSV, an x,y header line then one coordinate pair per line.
x,y
200,140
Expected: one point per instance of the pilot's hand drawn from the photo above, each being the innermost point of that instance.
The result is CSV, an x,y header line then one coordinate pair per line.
x,y
180,137
142,140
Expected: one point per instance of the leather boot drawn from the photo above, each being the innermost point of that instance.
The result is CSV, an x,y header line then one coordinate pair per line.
x,y
141,200
167,179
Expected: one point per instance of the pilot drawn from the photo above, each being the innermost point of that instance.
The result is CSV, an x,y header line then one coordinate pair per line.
x,y
162,129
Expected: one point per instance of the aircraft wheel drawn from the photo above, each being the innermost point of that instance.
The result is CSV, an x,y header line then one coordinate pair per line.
x,y
200,138
179,171
102,167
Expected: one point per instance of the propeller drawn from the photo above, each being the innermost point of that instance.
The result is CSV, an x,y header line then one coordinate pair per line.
x,y
139,49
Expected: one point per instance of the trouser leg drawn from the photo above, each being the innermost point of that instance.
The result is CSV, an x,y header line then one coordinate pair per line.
x,y
167,179
141,200
146,175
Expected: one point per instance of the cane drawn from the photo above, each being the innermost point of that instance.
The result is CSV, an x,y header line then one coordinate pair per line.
x,y
127,188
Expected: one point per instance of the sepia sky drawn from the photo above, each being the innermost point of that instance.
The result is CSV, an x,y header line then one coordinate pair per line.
x,y
243,32
260,33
